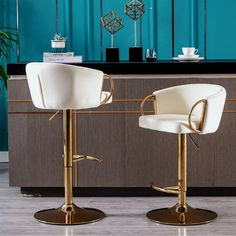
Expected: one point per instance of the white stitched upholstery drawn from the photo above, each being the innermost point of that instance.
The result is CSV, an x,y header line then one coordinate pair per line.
x,y
60,86
174,105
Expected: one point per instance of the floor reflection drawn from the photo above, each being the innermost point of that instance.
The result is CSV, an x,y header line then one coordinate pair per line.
x,y
182,231
69,231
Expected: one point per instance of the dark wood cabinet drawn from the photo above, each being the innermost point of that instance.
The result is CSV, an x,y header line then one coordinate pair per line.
x,y
132,156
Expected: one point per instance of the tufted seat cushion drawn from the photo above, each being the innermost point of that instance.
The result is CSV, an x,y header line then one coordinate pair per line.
x,y
170,123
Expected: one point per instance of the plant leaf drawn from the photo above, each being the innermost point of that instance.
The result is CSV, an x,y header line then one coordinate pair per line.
x,y
3,75
8,38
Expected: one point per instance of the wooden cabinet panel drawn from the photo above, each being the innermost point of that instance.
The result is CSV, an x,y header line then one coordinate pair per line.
x,y
133,156
101,136
35,151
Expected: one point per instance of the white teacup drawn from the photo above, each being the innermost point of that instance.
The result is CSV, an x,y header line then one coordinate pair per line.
x,y
189,51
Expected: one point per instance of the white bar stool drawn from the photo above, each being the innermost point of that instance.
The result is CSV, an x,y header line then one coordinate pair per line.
x,y
57,86
184,109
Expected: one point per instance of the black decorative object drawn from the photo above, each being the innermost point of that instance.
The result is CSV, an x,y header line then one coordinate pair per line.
x,y
136,54
135,9
112,55
112,23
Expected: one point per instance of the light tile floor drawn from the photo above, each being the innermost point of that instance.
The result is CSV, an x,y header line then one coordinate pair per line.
x,y
125,216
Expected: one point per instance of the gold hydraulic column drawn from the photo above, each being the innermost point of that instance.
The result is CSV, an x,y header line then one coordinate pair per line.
x,y
181,213
75,164
68,156
68,213
182,176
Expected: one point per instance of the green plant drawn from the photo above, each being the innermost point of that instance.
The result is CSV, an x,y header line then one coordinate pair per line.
x,y
7,40
58,37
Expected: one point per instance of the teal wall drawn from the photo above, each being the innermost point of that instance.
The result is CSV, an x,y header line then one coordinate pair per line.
x,y
3,94
79,21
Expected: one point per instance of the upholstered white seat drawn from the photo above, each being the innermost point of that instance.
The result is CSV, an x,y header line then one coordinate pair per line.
x,y
174,105
191,108
65,87
170,123
60,86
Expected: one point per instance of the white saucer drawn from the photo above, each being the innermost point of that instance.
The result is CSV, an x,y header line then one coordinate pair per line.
x,y
195,58
188,56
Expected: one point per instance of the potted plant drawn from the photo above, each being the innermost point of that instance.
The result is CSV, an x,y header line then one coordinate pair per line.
x,y
58,41
7,40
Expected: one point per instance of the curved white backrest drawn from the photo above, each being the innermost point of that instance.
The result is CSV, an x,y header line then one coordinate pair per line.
x,y
180,99
60,86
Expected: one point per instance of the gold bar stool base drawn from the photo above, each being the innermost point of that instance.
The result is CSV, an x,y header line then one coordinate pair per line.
x,y
193,216
69,215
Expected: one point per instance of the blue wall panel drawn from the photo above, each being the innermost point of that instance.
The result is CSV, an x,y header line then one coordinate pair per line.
x,y
199,31
221,31
37,27
3,118
181,25
163,25
1,12
79,21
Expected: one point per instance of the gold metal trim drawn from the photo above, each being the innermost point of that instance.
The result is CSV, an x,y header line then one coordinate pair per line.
x,y
81,112
182,170
77,158
114,100
75,166
201,122
194,216
54,115
19,100
181,214
134,100
68,213
172,189
112,87
94,113
229,111
105,112
144,101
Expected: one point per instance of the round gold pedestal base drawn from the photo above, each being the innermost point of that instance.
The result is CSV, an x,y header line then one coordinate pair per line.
x,y
191,217
71,216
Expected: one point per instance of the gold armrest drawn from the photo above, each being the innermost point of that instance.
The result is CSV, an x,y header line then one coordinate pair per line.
x,y
112,86
201,122
144,101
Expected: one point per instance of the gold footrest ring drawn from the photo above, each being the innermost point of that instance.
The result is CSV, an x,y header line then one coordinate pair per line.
x,y
74,216
193,216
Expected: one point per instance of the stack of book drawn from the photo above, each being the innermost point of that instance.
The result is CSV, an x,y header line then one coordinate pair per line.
x,y
68,57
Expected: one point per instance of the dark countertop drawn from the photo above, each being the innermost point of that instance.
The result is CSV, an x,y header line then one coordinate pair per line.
x,y
159,67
